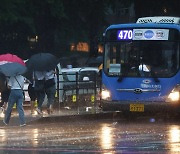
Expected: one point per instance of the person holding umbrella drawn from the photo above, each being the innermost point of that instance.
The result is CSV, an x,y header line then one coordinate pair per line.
x,y
38,77
16,84
13,67
43,65
45,85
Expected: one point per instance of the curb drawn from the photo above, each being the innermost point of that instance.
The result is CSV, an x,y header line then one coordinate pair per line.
x,y
77,117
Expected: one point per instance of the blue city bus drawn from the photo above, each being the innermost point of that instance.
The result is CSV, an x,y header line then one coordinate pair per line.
x,y
141,67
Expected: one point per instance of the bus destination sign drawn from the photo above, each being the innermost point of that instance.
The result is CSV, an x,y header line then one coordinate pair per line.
x,y
143,34
125,34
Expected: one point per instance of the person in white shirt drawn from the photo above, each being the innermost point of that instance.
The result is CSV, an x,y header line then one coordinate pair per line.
x,y
16,85
38,77
45,85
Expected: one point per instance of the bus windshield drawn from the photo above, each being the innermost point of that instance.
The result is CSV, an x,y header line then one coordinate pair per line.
x,y
137,58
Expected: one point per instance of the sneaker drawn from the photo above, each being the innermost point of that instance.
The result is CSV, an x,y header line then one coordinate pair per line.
x,y
32,112
39,111
2,109
48,111
5,123
22,125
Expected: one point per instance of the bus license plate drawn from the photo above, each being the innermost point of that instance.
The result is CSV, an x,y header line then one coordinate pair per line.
x,y
136,107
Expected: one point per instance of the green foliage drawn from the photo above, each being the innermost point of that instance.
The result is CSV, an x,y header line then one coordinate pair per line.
x,y
57,23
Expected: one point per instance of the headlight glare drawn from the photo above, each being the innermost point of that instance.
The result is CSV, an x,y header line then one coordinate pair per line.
x,y
105,94
174,96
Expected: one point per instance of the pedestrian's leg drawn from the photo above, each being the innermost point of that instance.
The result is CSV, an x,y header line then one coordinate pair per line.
x,y
40,100
11,102
20,110
50,96
5,105
32,95
32,106
2,107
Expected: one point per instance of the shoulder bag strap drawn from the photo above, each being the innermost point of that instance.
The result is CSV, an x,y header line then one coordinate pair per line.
x,y
20,87
18,83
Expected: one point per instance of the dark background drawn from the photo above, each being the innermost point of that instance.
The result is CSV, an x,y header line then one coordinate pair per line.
x,y
32,26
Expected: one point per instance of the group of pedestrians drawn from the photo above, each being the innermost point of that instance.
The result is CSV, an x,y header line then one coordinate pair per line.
x,y
42,83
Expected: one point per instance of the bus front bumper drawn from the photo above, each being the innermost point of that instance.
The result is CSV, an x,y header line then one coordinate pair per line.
x,y
140,106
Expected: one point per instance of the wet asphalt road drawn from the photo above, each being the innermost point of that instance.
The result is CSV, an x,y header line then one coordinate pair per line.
x,y
92,134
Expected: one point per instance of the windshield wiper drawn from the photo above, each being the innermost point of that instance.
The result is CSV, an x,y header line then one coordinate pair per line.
x,y
144,68
120,78
154,76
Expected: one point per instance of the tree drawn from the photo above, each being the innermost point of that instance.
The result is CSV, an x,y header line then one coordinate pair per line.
x,y
57,23
85,20
23,18
46,15
157,8
15,25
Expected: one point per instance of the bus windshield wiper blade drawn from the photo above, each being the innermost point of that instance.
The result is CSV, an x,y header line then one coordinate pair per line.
x,y
154,76
156,79
120,78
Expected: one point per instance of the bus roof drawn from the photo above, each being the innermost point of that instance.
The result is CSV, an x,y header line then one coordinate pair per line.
x,y
149,22
159,19
145,25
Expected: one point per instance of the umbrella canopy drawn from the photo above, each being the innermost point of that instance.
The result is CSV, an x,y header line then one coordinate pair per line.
x,y
12,69
42,62
11,58
12,65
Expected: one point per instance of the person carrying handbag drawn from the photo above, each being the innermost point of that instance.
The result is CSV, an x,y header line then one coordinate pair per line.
x,y
16,85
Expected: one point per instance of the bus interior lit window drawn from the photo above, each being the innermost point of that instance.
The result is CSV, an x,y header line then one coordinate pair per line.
x,y
118,54
111,54
161,56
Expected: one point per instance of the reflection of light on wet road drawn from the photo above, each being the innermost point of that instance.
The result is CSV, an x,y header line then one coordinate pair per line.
x,y
106,138
174,138
1,114
35,113
2,136
35,137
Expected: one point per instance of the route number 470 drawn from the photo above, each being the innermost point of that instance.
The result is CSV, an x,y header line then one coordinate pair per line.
x,y
125,34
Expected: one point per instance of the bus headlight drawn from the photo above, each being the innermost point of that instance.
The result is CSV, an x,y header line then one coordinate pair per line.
x,y
105,94
174,95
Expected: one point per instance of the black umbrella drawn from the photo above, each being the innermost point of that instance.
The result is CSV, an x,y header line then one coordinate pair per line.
x,y
42,62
